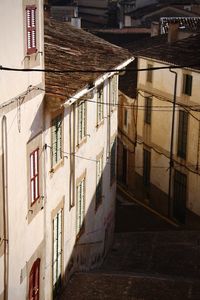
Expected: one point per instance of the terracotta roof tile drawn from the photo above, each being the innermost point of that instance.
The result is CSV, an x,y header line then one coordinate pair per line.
x,y
69,48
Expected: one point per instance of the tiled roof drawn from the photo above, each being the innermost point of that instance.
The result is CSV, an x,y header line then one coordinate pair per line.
x,y
182,52
69,48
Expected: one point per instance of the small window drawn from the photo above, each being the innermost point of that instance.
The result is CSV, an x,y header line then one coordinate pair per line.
x,y
80,206
81,120
34,176
146,167
148,110
149,72
125,117
113,162
187,84
31,29
99,174
100,105
57,253
56,143
182,134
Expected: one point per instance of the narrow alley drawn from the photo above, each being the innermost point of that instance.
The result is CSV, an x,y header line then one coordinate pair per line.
x,y
150,259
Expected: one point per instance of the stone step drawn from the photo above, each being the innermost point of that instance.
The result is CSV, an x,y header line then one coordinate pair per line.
x,y
97,286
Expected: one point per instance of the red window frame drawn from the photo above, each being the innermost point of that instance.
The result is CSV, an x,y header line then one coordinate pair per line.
x,y
34,176
31,29
34,281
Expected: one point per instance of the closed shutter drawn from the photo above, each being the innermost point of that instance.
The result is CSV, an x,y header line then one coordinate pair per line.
x,y
56,139
80,205
31,29
81,121
57,251
34,175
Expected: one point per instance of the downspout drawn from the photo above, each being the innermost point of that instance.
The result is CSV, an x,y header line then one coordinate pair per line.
x,y
5,206
108,117
171,163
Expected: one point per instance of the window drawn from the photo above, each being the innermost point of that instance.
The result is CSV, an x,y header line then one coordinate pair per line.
x,y
31,29
113,91
57,253
149,73
180,195
100,104
56,132
81,120
99,174
146,167
34,281
187,84
148,110
113,161
80,205
182,134
125,117
34,175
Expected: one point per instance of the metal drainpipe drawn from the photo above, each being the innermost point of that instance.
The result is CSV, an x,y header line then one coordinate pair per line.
x,y
5,207
171,163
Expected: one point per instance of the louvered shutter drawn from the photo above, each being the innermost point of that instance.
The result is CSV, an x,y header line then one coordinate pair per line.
x,y
31,29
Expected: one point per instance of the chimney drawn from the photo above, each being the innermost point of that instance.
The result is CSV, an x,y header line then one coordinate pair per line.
x,y
155,28
173,31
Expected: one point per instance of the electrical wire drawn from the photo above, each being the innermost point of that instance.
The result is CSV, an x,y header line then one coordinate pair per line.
x,y
3,68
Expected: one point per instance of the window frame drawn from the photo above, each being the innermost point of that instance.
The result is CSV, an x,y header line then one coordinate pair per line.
x,y
149,77
100,104
148,110
113,91
34,280
146,167
57,236
34,177
80,206
59,135
31,31
99,180
82,121
182,134
187,84
113,161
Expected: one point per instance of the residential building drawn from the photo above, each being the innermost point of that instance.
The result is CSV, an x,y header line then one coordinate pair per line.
x,y
80,156
167,151
57,150
22,247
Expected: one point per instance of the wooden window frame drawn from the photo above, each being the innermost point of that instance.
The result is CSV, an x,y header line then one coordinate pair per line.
x,y
54,152
80,226
58,239
148,110
187,84
100,105
32,278
182,134
34,177
82,124
146,167
99,180
149,73
113,161
31,31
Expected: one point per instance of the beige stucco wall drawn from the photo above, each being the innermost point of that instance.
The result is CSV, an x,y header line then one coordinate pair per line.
x,y
158,135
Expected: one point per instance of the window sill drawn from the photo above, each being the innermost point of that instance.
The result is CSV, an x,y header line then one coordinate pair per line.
x,y
83,141
100,123
34,208
59,164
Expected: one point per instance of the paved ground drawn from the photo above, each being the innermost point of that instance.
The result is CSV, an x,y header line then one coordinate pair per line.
x,y
150,260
